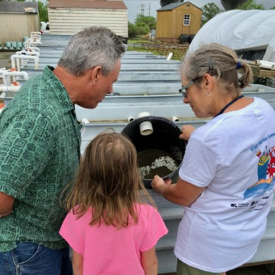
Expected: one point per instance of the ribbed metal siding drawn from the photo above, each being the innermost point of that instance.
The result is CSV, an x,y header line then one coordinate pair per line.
x,y
71,21
14,27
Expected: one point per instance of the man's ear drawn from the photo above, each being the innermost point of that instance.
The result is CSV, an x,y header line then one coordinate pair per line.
x,y
96,74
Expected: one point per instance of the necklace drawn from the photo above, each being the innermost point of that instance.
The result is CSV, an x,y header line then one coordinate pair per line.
x,y
227,105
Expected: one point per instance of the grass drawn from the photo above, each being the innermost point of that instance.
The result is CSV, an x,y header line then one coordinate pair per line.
x,y
157,48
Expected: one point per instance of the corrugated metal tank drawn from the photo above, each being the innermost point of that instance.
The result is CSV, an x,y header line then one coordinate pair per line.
x,y
114,112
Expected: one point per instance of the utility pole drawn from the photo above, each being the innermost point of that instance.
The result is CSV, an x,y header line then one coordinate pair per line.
x,y
142,9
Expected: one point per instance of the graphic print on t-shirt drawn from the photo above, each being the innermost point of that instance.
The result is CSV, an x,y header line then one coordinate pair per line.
x,y
266,171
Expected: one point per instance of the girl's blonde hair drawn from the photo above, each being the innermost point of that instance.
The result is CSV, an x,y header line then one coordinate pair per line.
x,y
221,62
108,181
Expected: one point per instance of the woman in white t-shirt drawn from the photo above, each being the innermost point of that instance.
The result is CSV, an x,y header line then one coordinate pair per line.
x,y
226,181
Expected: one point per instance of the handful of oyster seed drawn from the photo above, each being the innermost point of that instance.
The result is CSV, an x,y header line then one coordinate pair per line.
x,y
153,162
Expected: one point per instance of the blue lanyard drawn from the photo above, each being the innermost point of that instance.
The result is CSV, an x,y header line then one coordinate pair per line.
x,y
227,105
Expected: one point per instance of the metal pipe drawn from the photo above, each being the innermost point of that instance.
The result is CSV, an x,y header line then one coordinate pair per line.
x,y
85,121
6,76
33,48
16,73
8,89
174,118
169,56
18,64
266,64
25,52
130,118
24,57
145,127
6,82
32,42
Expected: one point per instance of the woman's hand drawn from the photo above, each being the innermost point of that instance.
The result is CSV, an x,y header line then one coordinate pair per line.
x,y
182,192
158,183
186,130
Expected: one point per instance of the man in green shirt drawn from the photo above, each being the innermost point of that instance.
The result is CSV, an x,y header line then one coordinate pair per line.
x,y
40,151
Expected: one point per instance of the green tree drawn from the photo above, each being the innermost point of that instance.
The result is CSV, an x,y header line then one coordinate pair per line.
x,y
132,30
142,28
251,5
43,11
142,20
209,11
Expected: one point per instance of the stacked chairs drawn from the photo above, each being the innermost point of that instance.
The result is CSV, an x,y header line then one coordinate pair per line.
x,y
20,45
7,46
33,41
12,45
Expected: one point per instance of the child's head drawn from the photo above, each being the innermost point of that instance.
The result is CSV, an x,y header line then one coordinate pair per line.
x,y
110,166
108,180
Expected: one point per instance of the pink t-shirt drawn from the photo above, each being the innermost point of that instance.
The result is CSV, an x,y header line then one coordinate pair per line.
x,y
107,250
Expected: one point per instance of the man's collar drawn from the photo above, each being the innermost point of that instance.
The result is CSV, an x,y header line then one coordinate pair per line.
x,y
58,89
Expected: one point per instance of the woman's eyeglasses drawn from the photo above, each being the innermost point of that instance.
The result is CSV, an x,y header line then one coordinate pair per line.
x,y
183,88
190,83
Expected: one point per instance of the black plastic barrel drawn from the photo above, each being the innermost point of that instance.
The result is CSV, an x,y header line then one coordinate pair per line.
x,y
162,146
184,38
191,37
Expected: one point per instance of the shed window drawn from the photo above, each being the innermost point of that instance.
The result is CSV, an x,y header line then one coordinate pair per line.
x,y
186,20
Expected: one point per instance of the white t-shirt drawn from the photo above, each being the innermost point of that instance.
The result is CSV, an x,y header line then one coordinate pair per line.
x,y
233,157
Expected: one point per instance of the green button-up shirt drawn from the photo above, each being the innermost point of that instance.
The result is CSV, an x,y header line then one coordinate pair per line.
x,y
39,154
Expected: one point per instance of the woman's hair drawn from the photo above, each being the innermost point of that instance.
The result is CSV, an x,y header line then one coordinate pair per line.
x,y
94,46
108,181
218,61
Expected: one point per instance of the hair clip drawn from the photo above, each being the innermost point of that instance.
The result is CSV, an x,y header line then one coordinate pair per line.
x,y
210,64
239,65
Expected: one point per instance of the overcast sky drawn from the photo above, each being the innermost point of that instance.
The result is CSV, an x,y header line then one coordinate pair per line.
x,y
149,7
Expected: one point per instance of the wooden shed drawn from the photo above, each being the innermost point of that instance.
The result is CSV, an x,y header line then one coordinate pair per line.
x,y
18,20
68,17
178,18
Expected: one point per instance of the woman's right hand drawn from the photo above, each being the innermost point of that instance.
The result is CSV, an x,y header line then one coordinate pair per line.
x,y
186,130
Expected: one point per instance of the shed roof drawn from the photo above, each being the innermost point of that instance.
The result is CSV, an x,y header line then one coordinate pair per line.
x,y
175,5
87,4
19,7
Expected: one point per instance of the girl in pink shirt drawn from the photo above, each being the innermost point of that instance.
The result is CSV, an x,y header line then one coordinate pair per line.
x,y
111,228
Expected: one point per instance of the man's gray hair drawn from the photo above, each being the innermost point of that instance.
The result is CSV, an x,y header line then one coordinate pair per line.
x,y
94,46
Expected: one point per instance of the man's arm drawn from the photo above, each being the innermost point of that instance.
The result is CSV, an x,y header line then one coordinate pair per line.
x,y
6,204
